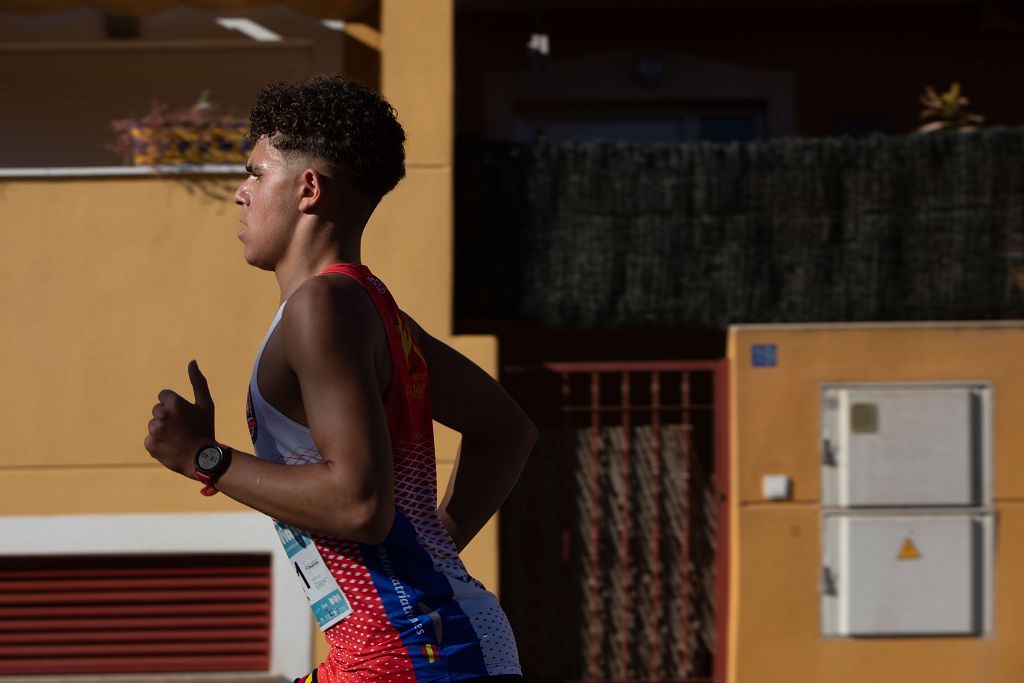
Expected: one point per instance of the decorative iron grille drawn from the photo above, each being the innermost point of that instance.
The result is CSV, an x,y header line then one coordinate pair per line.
x,y
609,543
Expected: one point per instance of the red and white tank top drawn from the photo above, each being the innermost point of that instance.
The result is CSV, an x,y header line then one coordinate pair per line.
x,y
417,614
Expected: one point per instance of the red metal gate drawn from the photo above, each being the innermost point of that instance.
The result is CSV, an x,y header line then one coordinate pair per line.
x,y
643,539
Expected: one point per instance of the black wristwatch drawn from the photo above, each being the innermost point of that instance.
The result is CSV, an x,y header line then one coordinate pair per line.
x,y
212,460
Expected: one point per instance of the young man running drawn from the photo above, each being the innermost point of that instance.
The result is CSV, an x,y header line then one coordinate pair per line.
x,y
340,386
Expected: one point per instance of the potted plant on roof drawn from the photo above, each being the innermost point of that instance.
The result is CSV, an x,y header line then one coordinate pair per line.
x,y
947,111
196,135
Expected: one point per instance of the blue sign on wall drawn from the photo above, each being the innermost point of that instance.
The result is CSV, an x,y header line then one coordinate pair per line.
x,y
764,355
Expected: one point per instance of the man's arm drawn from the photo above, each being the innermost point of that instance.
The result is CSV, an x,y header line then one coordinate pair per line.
x,y
497,437
329,332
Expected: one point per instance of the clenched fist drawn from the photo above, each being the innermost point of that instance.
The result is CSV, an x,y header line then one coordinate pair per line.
x,y
179,428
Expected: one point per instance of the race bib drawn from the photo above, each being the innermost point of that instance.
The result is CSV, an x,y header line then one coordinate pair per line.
x,y
325,597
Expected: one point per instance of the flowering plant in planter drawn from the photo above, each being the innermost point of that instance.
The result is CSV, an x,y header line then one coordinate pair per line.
x,y
947,111
195,135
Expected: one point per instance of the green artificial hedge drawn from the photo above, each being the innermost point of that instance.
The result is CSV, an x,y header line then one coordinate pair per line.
x,y
586,235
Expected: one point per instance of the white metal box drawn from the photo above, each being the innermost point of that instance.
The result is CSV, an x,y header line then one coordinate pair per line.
x,y
906,445
907,575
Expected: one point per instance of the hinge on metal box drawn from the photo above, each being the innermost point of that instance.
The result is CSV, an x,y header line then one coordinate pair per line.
x,y
828,454
828,582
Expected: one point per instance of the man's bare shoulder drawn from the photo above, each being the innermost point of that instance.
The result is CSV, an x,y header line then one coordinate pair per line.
x,y
326,306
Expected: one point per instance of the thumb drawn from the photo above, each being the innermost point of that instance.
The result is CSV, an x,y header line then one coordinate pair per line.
x,y
200,388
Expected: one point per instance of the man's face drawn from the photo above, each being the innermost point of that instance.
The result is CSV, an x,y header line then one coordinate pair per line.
x,y
269,199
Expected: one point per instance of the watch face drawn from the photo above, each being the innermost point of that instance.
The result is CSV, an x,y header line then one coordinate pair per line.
x,y
209,458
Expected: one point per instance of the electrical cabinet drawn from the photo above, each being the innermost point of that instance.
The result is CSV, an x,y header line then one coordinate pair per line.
x,y
905,445
907,527
906,575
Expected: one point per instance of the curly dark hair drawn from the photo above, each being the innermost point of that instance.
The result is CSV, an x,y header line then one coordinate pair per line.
x,y
343,123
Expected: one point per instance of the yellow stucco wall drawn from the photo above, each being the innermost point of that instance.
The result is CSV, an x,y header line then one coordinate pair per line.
x,y
111,286
775,565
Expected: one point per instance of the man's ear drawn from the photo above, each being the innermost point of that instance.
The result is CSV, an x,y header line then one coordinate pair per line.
x,y
311,186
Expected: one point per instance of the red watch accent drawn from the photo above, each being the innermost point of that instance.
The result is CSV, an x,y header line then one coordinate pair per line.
x,y
211,461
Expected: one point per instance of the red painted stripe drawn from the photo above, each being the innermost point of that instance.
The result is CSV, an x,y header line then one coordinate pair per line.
x,y
108,597
63,649
169,622
155,609
92,665
141,635
171,571
720,668
132,584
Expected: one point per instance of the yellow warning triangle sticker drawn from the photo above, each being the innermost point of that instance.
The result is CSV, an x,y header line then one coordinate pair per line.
x,y
908,551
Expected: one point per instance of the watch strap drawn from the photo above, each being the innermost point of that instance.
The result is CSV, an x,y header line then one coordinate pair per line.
x,y
210,480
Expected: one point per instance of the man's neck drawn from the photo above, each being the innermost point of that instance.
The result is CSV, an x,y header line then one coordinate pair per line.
x,y
303,261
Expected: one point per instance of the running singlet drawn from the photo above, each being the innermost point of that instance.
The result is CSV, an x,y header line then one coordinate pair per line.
x,y
417,614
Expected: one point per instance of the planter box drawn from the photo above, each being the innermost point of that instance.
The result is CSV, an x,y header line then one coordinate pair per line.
x,y
189,145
